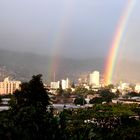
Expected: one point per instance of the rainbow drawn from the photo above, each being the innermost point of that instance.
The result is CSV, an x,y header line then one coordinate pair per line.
x,y
58,38
116,43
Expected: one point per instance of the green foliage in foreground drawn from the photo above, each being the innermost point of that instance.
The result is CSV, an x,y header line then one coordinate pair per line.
x,y
79,101
105,95
103,122
29,119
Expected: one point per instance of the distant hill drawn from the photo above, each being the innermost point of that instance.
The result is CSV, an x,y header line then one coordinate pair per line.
x,y
23,65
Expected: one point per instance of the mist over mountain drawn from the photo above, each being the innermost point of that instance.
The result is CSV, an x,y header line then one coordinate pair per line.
x,y
23,65
128,71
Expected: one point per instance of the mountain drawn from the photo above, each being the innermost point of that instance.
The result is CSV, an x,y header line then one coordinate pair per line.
x,y
22,66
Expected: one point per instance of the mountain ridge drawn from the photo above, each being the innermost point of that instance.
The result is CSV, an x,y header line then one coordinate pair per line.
x,y
23,65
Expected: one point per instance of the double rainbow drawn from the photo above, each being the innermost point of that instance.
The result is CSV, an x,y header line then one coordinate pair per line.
x,y
58,38
116,44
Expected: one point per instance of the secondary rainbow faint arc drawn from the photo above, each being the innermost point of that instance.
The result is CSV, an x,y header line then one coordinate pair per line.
x,y
59,37
116,43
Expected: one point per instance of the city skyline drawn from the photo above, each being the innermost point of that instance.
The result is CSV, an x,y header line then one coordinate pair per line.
x,y
74,29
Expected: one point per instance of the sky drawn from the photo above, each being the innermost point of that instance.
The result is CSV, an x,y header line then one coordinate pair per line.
x,y
72,28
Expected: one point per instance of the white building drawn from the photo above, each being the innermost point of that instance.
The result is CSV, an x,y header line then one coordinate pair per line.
x,y
124,86
94,78
65,84
137,88
55,85
9,86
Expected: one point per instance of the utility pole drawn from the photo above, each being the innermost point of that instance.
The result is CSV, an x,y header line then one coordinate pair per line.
x,y
54,77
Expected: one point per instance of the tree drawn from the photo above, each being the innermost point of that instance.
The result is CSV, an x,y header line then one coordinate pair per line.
x,y
111,86
29,116
73,85
32,93
79,101
82,91
96,100
0,99
133,94
106,95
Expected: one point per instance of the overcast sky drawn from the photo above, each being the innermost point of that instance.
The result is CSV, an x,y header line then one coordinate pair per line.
x,y
74,28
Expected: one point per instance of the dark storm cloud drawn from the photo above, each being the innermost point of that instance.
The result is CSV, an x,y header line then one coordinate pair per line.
x,y
80,28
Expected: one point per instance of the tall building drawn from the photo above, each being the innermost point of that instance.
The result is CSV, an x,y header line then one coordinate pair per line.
x,y
94,78
9,86
65,84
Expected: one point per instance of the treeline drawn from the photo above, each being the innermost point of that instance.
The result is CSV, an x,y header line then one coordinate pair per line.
x,y
29,118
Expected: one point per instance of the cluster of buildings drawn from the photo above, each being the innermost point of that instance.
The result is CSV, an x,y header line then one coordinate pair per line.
x,y
64,84
9,86
124,88
91,80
